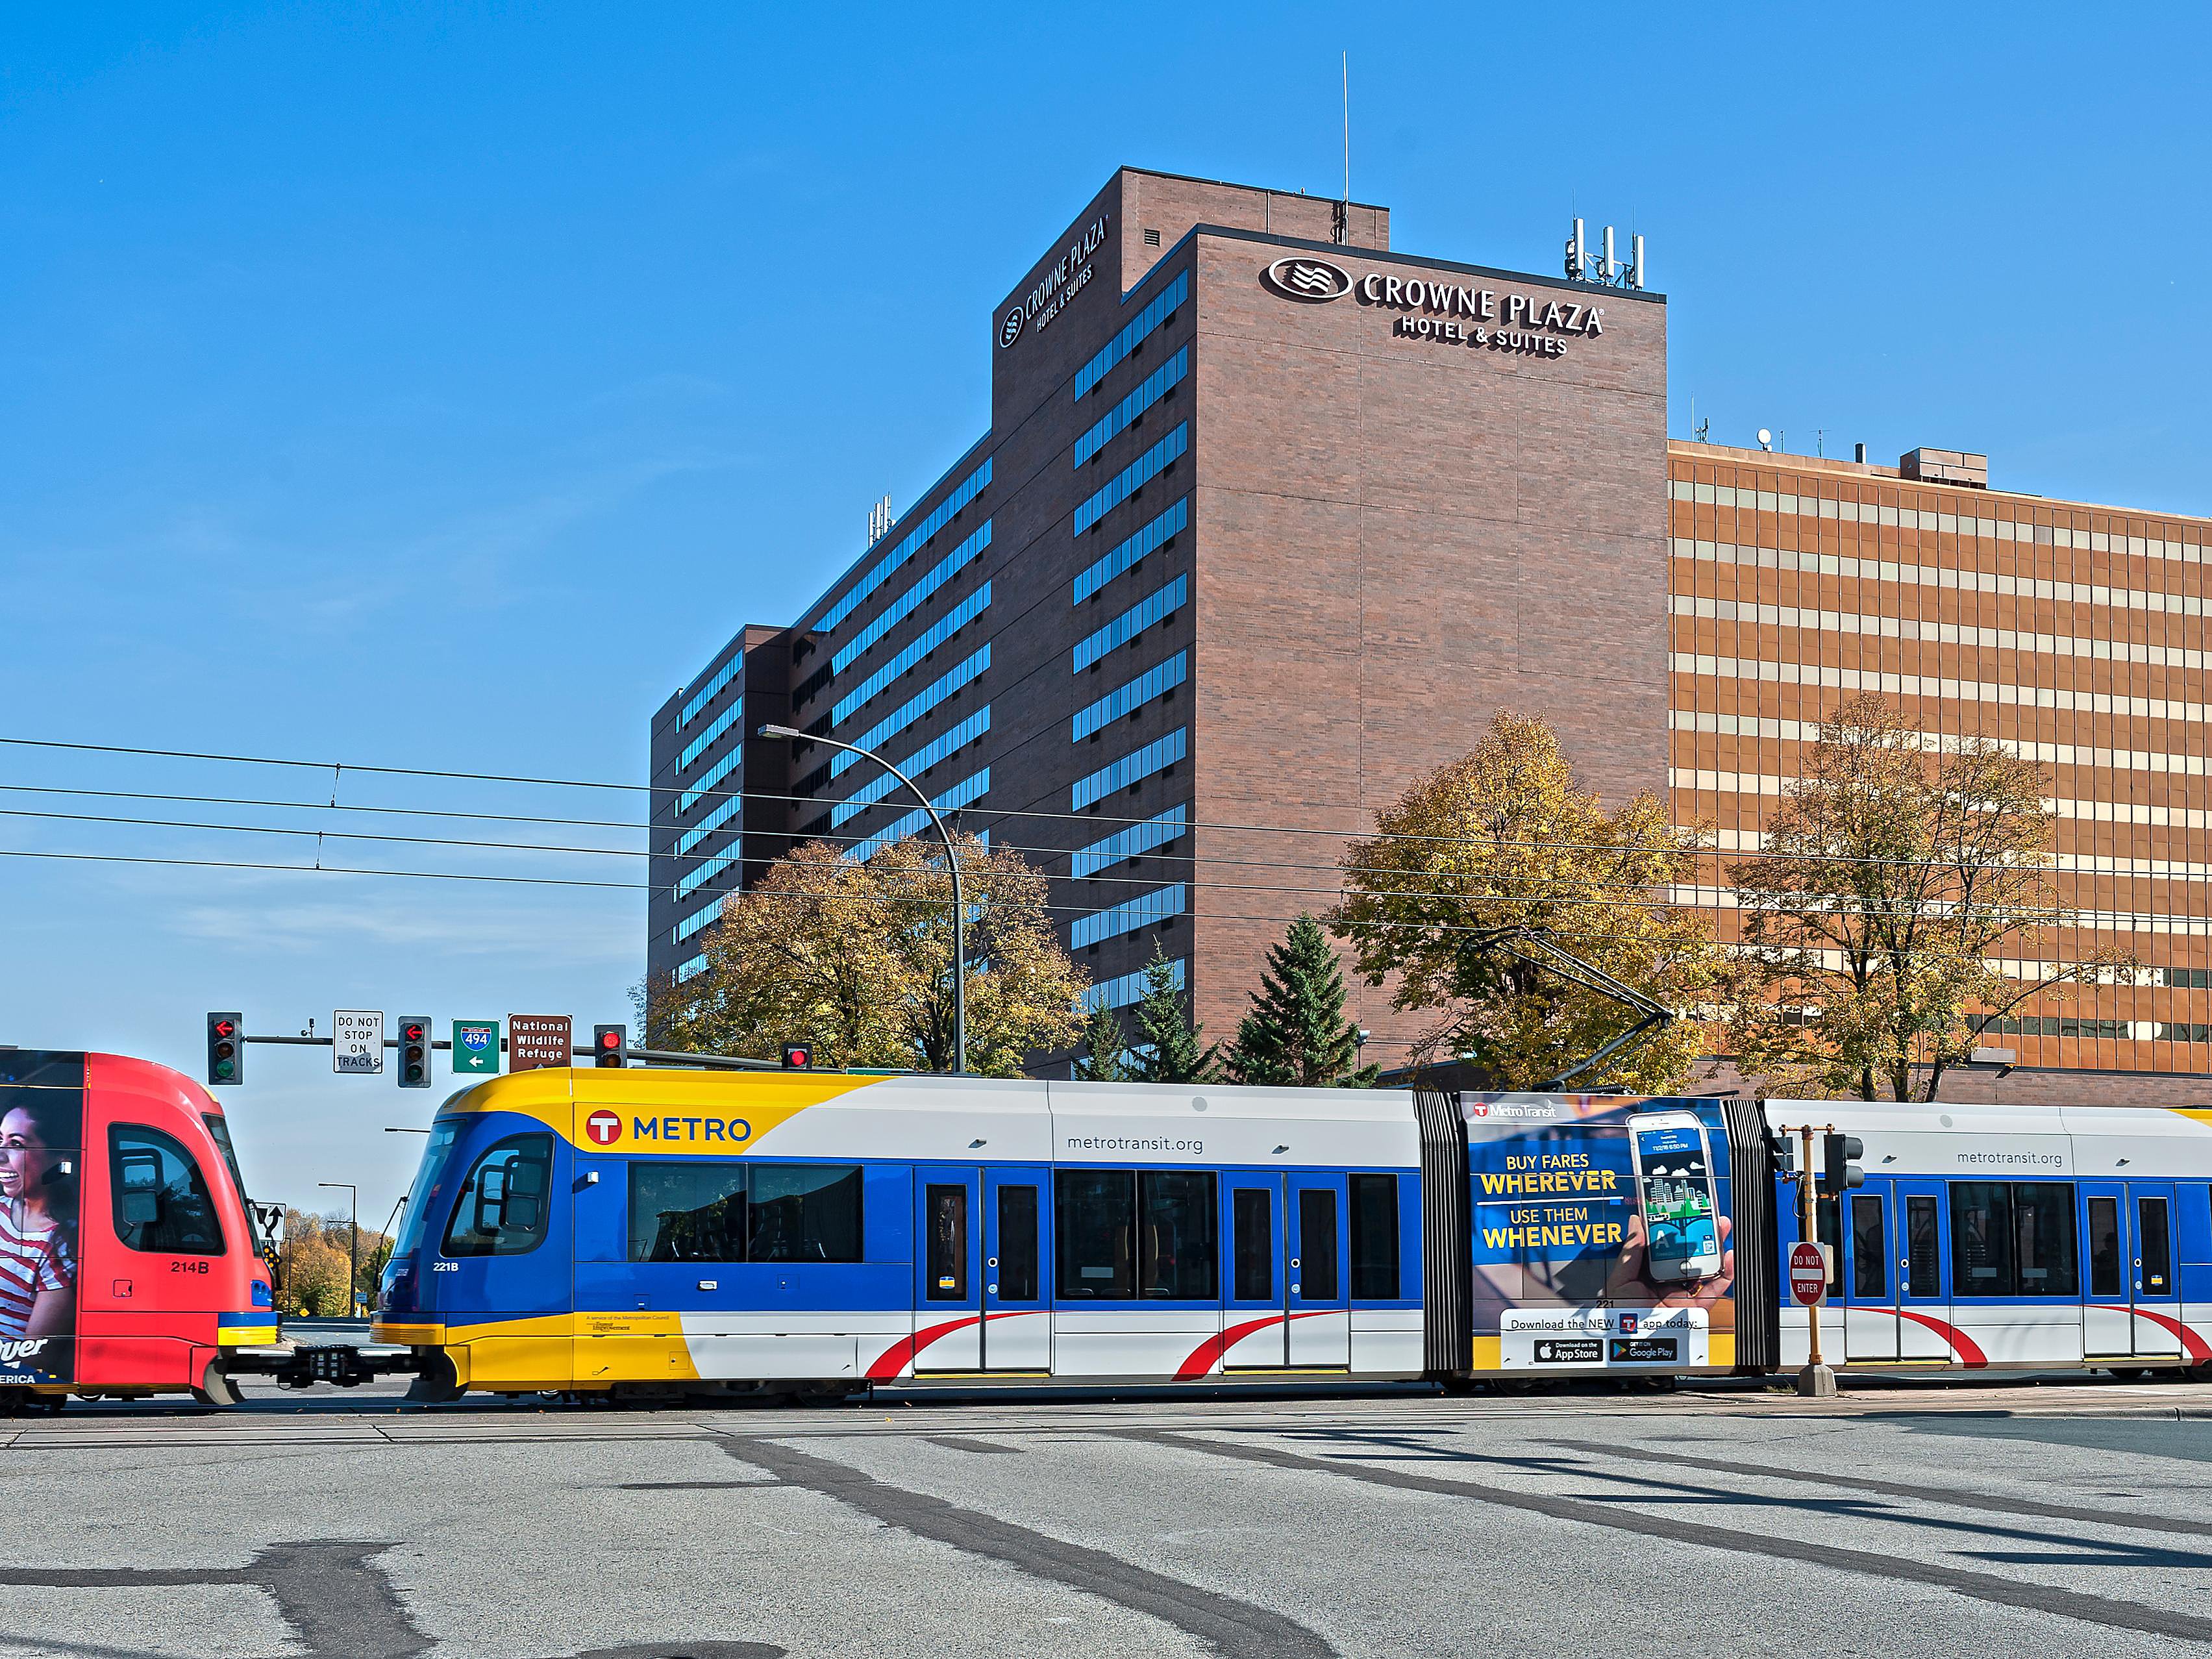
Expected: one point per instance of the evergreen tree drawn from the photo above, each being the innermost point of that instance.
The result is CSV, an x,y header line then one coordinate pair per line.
x,y
1167,1048
1296,1035
1102,1053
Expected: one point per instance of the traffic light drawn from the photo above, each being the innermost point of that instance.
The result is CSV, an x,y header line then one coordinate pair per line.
x,y
609,1045
414,1067
797,1057
1839,1156
226,1050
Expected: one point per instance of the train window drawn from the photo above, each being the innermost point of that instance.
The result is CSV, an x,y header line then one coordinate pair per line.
x,y
1924,1274
1981,1238
1870,1250
1018,1244
1375,1238
1094,1227
692,1211
805,1212
2157,1252
1316,1244
944,1217
1826,1229
2044,1252
1254,1219
219,1132
2013,1239
160,1198
2105,1247
1178,1257
504,1205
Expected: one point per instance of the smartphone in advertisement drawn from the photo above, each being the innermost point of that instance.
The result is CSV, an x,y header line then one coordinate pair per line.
x,y
1675,1190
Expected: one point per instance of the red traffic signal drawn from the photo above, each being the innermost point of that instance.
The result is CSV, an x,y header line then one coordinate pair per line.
x,y
609,1045
797,1057
414,1068
226,1050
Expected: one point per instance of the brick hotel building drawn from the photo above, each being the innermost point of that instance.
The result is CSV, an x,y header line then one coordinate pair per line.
x,y
1271,517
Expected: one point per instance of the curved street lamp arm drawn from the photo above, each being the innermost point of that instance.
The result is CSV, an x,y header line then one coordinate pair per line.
x,y
952,863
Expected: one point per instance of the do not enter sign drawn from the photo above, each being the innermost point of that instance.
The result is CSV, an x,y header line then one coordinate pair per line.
x,y
1809,1273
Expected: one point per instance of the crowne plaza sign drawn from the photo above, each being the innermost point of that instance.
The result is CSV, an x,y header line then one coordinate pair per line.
x,y
1535,325
1067,278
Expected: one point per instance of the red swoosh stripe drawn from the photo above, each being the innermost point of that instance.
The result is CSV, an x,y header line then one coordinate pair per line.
x,y
2191,1344
1961,1343
1207,1354
894,1360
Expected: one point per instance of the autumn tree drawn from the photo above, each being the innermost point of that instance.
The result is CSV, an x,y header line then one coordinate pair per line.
x,y
1897,873
1170,1047
1507,839
311,1263
1295,1034
856,959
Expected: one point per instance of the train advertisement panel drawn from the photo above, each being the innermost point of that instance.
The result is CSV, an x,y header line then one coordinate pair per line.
x,y
1599,1229
41,1151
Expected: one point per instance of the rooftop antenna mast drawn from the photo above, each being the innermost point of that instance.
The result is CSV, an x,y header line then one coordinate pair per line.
x,y
1340,231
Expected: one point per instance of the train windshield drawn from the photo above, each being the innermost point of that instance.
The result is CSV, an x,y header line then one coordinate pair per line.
x,y
220,1132
429,1190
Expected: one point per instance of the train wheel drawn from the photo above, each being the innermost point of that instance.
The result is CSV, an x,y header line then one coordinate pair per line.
x,y
215,1387
2127,1373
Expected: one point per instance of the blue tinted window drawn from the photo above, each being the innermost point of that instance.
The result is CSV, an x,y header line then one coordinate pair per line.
x,y
887,567
1135,695
1156,312
1133,477
939,631
1154,607
963,793
1154,756
945,743
1125,554
915,706
1149,390
1128,843
1128,916
908,602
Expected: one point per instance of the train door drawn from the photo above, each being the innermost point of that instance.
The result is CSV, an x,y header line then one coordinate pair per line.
x,y
2131,1307
948,1309
1017,1328
1257,1306
1870,1275
1923,1302
1318,1327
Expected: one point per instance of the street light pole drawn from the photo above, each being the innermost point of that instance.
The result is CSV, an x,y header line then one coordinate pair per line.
x,y
353,1241
952,863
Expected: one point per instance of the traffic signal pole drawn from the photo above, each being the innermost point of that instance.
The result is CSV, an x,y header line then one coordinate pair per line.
x,y
651,1057
1816,1379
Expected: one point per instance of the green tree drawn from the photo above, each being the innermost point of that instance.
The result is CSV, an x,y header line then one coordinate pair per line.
x,y
1295,1034
1168,1047
1506,838
1102,1052
857,960
1896,874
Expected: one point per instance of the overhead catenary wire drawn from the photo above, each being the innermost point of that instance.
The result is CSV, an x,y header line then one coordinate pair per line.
x,y
1370,835
2060,916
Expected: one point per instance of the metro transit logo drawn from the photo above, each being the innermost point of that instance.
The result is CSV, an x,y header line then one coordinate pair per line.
x,y
604,1127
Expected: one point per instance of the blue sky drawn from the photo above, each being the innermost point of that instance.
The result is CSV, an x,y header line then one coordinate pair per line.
x,y
419,386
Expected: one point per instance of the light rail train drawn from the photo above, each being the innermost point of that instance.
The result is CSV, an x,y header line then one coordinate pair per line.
x,y
670,1231
676,1233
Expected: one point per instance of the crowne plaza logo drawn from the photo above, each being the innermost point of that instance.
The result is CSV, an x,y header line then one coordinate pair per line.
x,y
1303,278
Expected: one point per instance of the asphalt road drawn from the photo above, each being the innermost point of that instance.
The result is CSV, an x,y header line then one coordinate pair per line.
x,y
2050,1521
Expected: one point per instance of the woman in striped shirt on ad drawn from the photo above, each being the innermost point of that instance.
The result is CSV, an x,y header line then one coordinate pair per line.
x,y
38,1223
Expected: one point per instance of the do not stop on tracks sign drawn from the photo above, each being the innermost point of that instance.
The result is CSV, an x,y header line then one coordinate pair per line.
x,y
1809,1273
